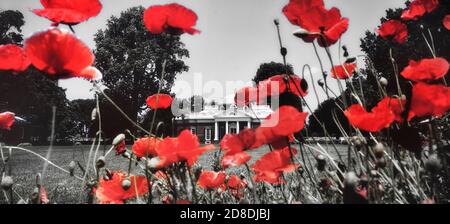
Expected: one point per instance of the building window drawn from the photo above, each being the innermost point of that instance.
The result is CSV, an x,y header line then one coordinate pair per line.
x,y
207,134
233,130
194,131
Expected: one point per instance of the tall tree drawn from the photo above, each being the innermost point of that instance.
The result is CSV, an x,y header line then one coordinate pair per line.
x,y
11,23
267,70
131,60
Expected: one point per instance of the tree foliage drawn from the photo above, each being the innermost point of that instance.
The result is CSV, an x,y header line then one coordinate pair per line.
x,y
131,60
267,70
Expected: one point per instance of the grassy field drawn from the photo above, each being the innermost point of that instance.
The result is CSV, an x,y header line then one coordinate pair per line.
x,y
63,189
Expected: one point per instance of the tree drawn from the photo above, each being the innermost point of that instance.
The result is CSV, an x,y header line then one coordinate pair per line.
x,y
267,70
30,94
378,49
325,113
131,60
81,111
11,23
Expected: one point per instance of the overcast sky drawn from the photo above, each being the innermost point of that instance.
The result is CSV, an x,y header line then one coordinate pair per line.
x,y
236,36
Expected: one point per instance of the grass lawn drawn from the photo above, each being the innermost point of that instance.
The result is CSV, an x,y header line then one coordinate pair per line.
x,y
63,189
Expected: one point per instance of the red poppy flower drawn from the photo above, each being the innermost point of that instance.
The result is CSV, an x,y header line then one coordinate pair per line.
x,y
7,120
211,180
397,107
279,84
69,11
394,29
159,101
237,143
343,71
378,119
235,159
183,148
12,57
270,167
315,19
430,100
120,148
246,95
59,53
172,18
113,192
418,8
236,183
278,126
426,69
145,145
446,22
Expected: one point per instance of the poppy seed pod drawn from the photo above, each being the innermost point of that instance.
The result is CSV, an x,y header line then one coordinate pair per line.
x,y
7,183
383,81
433,164
126,184
378,150
72,166
381,163
276,21
118,139
100,163
350,180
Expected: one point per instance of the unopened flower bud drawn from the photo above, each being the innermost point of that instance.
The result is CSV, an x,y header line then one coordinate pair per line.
x,y
100,163
72,166
433,164
378,150
126,184
381,163
383,81
7,183
153,163
118,139
350,180
321,162
320,82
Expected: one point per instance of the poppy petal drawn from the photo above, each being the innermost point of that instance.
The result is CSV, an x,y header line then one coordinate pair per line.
x,y
69,11
426,69
13,57
159,101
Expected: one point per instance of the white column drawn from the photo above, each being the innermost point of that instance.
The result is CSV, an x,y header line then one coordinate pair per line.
x,y
226,127
216,131
237,127
249,125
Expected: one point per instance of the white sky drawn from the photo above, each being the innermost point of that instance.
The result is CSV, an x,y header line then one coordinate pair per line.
x,y
236,36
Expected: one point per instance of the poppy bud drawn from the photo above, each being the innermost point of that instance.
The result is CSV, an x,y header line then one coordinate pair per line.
x,y
126,184
38,179
378,150
35,195
383,81
381,163
153,163
320,82
433,164
356,140
72,166
302,33
126,155
94,114
276,21
100,162
321,162
118,139
350,180
374,174
7,183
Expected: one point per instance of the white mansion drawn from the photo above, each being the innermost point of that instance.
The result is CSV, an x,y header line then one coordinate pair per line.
x,y
214,122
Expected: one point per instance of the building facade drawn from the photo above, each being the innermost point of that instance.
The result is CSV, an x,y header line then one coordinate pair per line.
x,y
215,121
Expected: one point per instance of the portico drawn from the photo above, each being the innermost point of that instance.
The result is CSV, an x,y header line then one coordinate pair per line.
x,y
214,122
